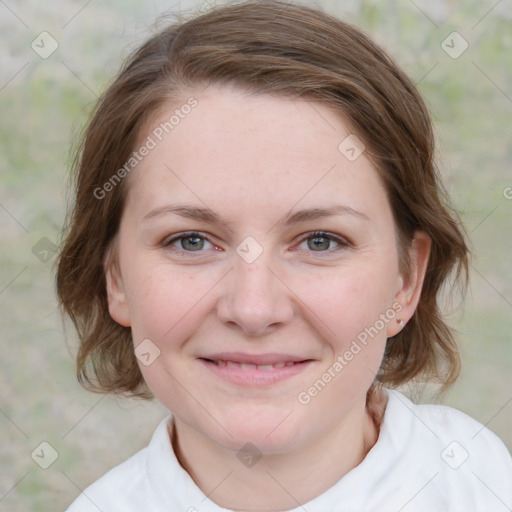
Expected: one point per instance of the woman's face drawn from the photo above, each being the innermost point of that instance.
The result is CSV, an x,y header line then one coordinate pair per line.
x,y
267,323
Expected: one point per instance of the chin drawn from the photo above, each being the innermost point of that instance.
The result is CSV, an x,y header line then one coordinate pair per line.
x,y
264,429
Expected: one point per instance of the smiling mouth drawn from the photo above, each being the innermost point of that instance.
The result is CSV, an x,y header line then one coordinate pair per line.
x,y
251,366
255,371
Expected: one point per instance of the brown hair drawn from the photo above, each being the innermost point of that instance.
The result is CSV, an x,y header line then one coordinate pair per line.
x,y
278,48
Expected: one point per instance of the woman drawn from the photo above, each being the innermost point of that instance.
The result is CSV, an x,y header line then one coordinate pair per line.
x,y
259,241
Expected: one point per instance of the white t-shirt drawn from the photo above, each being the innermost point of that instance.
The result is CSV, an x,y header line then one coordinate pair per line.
x,y
428,458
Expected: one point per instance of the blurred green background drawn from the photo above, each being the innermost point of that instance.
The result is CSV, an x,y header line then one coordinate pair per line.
x,y
44,104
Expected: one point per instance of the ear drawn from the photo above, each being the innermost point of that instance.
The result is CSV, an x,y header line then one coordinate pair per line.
x,y
117,304
408,288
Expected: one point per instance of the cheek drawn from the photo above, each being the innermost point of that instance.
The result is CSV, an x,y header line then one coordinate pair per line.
x,y
352,300
165,304
354,309
352,304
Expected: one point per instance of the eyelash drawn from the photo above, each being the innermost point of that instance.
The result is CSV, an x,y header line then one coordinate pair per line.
x,y
342,243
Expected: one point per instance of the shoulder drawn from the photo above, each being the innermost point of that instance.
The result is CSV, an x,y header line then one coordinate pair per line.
x,y
445,425
126,486
115,488
461,457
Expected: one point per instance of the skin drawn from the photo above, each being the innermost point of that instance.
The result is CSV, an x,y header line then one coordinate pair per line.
x,y
253,159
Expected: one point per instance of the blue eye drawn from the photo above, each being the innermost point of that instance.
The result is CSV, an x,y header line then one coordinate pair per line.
x,y
319,241
193,241
188,242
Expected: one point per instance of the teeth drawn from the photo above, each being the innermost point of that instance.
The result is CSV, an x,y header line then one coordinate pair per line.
x,y
250,366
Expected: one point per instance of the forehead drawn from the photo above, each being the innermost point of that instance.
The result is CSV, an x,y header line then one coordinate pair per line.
x,y
245,152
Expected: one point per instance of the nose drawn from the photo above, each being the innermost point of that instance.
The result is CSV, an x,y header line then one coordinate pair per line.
x,y
254,299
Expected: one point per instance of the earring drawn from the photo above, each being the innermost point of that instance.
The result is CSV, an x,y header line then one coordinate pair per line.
x,y
400,322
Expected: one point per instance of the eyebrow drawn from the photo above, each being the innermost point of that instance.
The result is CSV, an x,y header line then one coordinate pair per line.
x,y
209,216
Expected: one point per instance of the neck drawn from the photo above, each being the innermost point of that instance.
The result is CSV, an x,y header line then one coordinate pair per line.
x,y
277,481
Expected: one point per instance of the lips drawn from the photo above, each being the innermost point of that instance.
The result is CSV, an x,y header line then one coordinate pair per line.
x,y
255,359
254,369
252,366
